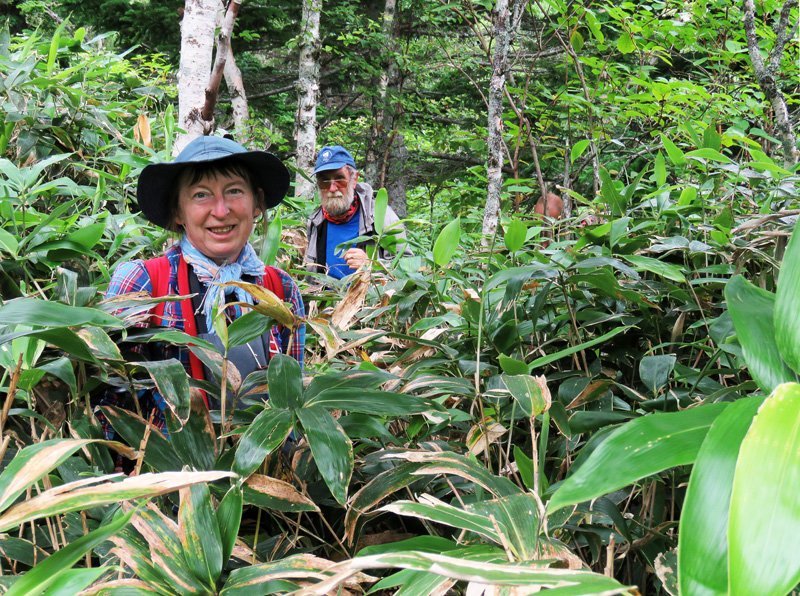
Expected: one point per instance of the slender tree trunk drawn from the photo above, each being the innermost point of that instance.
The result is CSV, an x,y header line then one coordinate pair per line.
x,y
197,45
767,74
241,111
494,166
378,143
307,97
396,175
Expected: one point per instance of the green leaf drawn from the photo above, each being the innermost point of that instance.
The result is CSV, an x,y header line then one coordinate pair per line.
x,y
272,240
611,196
594,26
638,448
574,349
88,236
194,440
675,154
73,581
159,453
512,366
708,155
661,268
246,328
285,382
381,204
42,313
265,434
443,513
660,170
655,371
787,305
371,401
527,392
447,243
229,517
576,40
515,235
688,196
752,311
764,525
578,149
172,383
525,467
703,532
8,242
42,576
625,43
200,535
331,448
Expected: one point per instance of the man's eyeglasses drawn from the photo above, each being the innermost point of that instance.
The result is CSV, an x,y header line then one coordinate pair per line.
x,y
339,182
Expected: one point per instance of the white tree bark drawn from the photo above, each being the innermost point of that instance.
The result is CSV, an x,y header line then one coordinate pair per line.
x,y
241,111
307,97
494,166
767,74
197,45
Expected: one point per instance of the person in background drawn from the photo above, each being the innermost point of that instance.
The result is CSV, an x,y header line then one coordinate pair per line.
x,y
552,207
346,211
211,194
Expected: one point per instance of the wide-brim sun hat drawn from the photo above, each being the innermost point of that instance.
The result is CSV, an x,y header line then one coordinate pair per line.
x,y
156,186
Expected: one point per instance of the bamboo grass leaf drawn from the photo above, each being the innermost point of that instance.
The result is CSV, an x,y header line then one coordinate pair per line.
x,y
787,305
752,311
42,576
331,448
703,532
265,434
637,449
764,524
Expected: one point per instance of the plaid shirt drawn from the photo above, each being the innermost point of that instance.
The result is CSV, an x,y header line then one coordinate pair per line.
x,y
132,276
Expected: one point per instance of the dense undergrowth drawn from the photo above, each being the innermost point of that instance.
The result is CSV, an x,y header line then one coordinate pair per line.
x,y
546,410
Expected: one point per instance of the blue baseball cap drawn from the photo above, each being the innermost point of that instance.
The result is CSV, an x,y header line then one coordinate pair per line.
x,y
333,157
156,185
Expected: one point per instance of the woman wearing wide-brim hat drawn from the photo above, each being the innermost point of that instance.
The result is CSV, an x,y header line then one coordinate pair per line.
x,y
211,194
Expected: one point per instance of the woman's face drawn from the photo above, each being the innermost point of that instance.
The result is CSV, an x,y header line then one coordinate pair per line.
x,y
217,214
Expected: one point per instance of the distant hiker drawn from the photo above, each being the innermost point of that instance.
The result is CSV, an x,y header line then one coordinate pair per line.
x,y
347,211
551,205
211,193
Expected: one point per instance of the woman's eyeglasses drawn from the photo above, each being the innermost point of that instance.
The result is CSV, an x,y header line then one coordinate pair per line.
x,y
339,182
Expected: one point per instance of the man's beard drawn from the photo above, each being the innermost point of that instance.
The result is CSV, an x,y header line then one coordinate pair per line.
x,y
337,203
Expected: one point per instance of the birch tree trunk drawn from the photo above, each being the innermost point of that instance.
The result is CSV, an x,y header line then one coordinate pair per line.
x,y
494,166
307,98
377,148
767,74
197,45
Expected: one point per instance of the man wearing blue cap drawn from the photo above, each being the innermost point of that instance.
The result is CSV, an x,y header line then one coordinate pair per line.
x,y
347,211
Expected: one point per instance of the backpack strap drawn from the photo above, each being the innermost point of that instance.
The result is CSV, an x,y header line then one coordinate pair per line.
x,y
273,282
159,271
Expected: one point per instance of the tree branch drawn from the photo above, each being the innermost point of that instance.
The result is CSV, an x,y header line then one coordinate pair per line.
x,y
223,47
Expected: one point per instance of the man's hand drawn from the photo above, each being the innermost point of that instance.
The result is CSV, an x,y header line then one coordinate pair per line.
x,y
355,258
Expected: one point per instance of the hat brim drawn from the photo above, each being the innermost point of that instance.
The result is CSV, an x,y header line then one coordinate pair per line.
x,y
333,165
156,185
